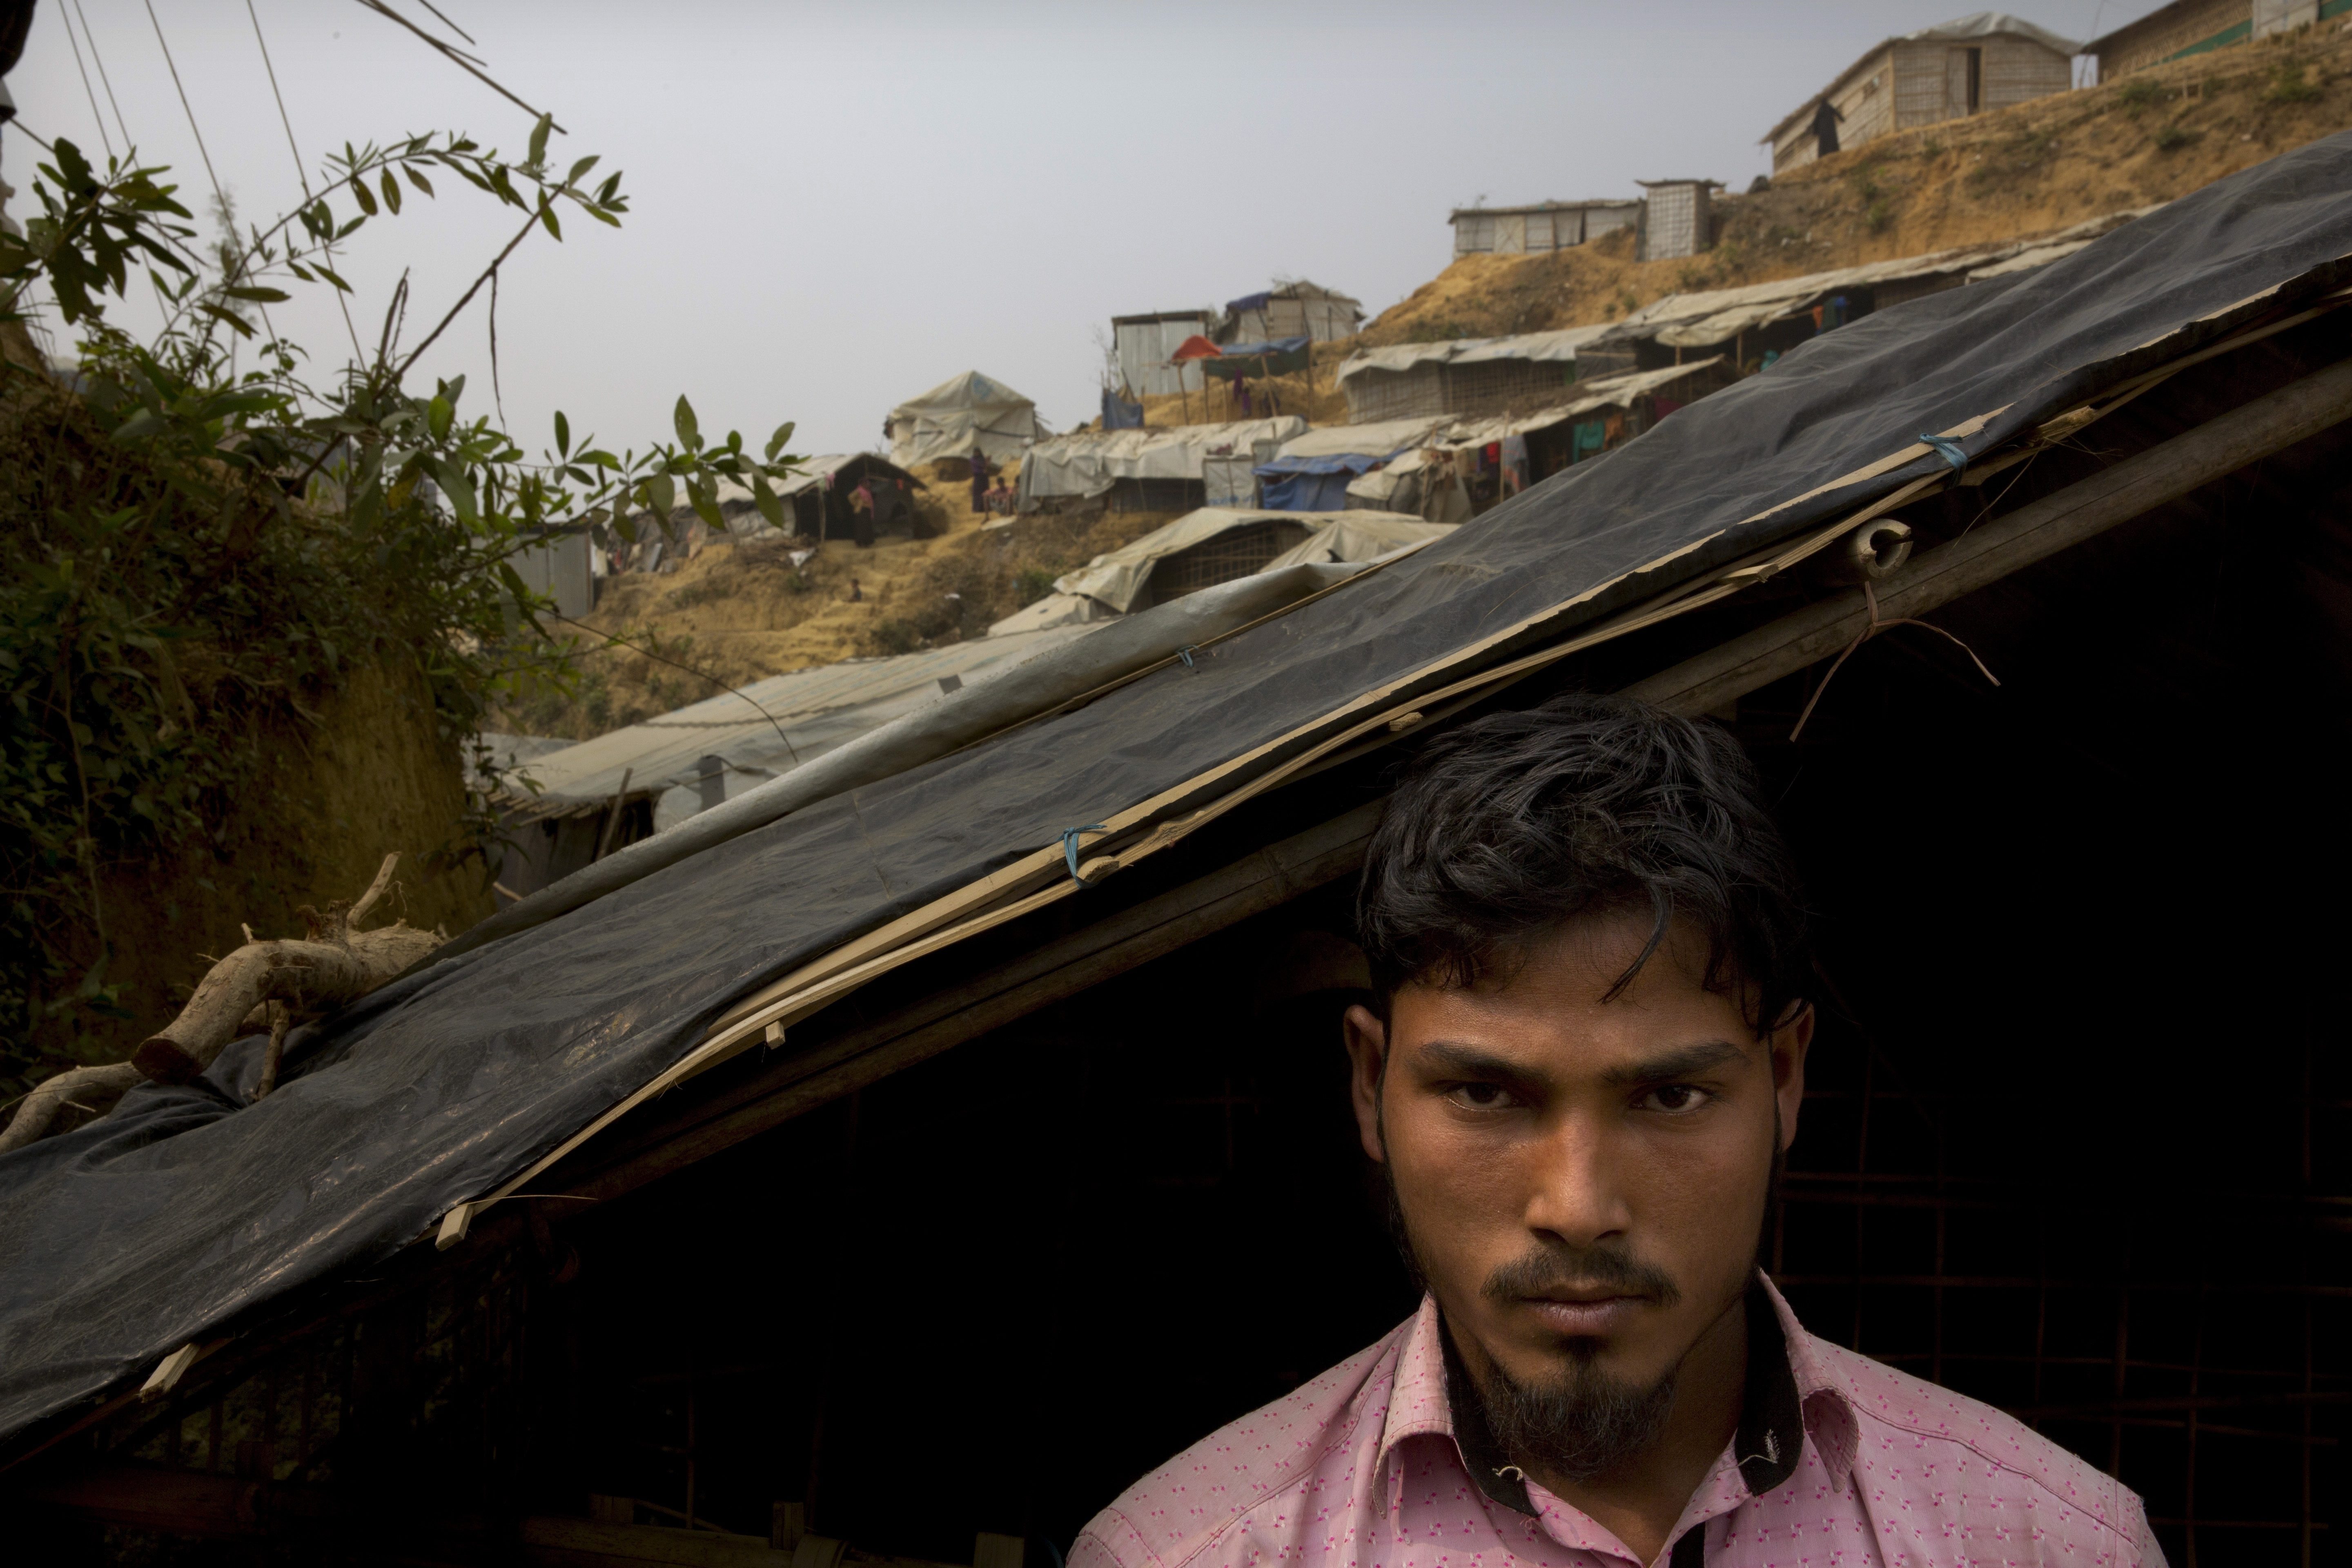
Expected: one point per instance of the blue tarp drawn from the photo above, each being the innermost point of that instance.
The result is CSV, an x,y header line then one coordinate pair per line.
x,y
1255,351
1306,493
1250,301
1118,413
1280,357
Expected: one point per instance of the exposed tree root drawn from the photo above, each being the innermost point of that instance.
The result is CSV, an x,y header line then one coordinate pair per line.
x,y
267,986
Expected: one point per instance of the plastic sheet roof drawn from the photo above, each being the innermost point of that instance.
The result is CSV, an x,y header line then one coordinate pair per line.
x,y
1088,462
1717,315
1545,348
962,414
192,1210
1116,578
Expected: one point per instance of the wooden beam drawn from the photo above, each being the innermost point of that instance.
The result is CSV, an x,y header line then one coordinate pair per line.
x,y
2139,484
1272,876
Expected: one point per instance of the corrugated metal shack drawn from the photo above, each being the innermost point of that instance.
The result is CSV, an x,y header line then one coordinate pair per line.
x,y
1144,346
2189,27
1989,60
1547,226
1465,377
1295,310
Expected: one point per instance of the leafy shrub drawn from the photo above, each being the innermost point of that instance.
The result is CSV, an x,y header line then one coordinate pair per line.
x,y
2289,85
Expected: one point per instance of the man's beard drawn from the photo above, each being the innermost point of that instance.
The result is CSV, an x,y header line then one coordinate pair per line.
x,y
1579,1421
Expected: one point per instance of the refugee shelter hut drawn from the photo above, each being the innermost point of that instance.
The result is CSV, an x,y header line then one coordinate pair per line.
x,y
1362,536
1293,309
692,758
1199,550
2187,28
561,565
1547,226
1678,218
1985,62
970,991
1772,318
1465,377
818,497
1310,472
1160,468
965,415
1145,347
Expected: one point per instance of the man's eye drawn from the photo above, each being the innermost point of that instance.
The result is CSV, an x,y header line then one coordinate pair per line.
x,y
1673,1097
1480,1095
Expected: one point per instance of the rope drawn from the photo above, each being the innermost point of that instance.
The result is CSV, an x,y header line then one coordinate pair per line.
x,y
103,80
302,171
88,92
1876,627
1948,449
1070,847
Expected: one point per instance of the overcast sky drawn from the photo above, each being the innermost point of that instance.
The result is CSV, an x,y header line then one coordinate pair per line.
x,y
837,207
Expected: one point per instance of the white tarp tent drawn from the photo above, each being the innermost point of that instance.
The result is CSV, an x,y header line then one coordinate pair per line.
x,y
1363,440
969,413
1117,577
1717,315
1360,536
1542,348
1089,462
808,712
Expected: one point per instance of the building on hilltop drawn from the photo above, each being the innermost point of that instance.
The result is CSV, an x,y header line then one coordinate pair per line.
x,y
1547,226
1145,347
2189,27
1986,61
1295,310
1678,219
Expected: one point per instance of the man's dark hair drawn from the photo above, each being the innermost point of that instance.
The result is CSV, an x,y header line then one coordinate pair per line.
x,y
1516,823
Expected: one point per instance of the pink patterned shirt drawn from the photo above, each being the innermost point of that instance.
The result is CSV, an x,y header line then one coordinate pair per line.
x,y
1363,1467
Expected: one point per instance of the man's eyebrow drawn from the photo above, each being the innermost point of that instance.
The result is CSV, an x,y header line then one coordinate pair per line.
x,y
1471,1062
1688,1061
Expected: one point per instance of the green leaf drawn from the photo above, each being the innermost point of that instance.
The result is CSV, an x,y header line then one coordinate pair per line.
x,y
776,442
703,497
539,138
391,192
562,435
416,177
547,218
361,194
771,504
227,318
660,493
689,432
579,168
439,414
264,296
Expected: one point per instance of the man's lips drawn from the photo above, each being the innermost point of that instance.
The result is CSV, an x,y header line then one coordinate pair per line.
x,y
1584,1313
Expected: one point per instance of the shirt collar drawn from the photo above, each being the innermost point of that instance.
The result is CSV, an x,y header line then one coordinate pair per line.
x,y
1790,1393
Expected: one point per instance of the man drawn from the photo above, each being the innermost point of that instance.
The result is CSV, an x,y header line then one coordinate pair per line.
x,y
1584,1061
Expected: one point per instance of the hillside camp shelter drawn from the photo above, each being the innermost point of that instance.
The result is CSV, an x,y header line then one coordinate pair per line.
x,y
562,564
1214,545
818,496
1293,309
585,1240
1159,468
1677,218
967,413
1310,472
1547,226
1145,347
2189,28
690,759
1977,63
1775,317
1464,376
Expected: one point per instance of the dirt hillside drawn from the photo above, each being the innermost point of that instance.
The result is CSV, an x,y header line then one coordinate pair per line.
x,y
2019,172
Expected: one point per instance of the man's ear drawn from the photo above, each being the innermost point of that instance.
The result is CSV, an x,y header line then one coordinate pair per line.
x,y
1368,1044
1788,1045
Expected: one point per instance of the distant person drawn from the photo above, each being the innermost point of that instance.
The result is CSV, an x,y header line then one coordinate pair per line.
x,y
1825,124
979,477
856,593
861,515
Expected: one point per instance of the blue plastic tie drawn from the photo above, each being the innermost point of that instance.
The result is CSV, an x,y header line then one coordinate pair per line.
x,y
1948,449
1186,652
1070,849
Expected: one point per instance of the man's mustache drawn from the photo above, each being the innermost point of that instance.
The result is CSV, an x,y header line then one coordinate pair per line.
x,y
1561,1268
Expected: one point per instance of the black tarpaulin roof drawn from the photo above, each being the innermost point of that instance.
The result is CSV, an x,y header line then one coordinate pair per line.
x,y
152,1227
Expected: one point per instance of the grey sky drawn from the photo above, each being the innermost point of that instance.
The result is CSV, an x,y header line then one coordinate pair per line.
x,y
837,207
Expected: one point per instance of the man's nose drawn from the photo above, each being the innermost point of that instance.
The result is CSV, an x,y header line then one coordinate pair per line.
x,y
1576,1187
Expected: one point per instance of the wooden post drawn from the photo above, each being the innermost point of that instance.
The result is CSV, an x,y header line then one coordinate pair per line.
x,y
612,814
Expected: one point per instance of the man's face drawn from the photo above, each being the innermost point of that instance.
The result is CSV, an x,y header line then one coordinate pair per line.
x,y
1582,1181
